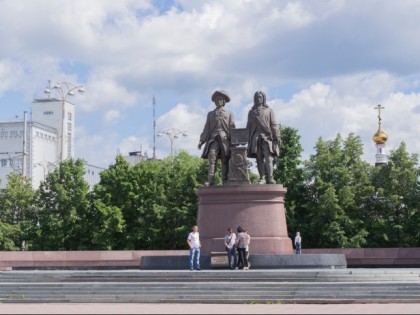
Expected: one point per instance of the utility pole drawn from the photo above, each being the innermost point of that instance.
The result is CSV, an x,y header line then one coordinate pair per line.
x,y
24,145
154,129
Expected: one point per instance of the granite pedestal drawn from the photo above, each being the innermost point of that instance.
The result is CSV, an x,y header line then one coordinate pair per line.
x,y
258,208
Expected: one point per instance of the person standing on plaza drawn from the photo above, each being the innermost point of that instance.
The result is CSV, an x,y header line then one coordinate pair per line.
x,y
241,242
263,138
216,136
247,247
230,245
298,243
194,243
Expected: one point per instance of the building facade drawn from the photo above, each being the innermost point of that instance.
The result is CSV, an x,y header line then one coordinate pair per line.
x,y
35,146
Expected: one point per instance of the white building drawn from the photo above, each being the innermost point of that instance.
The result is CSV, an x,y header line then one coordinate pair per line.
x,y
49,139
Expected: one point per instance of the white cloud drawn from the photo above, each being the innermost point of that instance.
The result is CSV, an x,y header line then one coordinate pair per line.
x,y
323,64
112,116
10,75
179,120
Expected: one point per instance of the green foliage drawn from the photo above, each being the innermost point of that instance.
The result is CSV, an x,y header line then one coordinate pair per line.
x,y
8,236
335,199
17,213
156,198
335,175
394,206
62,202
289,172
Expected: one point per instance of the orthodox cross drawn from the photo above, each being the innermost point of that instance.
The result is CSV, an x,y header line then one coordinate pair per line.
x,y
379,107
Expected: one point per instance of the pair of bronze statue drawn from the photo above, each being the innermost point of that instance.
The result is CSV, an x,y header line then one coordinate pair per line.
x,y
263,137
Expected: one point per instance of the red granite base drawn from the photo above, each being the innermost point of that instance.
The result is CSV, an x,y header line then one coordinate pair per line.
x,y
258,208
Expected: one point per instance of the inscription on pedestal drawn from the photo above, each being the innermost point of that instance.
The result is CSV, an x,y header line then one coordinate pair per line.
x,y
238,163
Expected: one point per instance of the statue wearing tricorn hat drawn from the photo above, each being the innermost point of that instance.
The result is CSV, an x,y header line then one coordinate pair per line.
x,y
216,136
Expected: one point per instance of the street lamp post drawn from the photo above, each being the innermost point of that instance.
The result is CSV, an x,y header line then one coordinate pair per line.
x,y
173,134
63,90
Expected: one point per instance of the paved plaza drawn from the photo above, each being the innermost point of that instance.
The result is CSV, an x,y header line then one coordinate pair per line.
x,y
129,308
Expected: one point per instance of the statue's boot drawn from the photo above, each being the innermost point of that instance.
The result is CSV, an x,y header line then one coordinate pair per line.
x,y
261,172
270,179
225,171
210,177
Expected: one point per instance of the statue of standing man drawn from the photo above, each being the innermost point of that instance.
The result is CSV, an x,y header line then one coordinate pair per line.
x,y
264,137
216,136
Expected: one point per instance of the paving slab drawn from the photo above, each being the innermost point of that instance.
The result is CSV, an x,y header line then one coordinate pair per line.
x,y
133,308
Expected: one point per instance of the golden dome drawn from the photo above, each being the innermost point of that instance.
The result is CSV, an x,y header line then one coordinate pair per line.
x,y
380,137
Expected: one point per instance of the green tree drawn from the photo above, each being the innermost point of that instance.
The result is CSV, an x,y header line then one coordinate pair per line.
x,y
184,175
8,236
289,172
62,204
156,198
106,225
17,213
393,217
335,177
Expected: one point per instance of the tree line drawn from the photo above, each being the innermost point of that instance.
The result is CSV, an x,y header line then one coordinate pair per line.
x,y
335,199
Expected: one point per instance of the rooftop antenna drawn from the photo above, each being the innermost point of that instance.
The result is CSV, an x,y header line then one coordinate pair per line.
x,y
154,129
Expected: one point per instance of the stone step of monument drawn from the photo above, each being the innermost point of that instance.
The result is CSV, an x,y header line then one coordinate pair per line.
x,y
209,297
302,290
347,275
46,287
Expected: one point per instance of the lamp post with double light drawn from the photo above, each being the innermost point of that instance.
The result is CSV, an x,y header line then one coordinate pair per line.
x,y
173,134
63,90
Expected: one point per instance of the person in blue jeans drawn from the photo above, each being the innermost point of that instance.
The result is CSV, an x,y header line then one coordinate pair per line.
x,y
193,242
298,243
230,245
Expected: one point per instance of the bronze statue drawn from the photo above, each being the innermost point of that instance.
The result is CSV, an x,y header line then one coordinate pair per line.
x,y
264,136
216,136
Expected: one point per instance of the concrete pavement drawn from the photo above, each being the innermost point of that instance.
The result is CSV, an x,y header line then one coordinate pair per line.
x,y
130,308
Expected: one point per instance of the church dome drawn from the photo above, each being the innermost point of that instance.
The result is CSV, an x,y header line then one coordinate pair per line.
x,y
380,137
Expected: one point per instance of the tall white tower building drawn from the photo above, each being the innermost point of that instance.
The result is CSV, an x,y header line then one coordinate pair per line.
x,y
58,114
35,146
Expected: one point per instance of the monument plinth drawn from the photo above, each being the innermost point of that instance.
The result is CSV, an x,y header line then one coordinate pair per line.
x,y
258,208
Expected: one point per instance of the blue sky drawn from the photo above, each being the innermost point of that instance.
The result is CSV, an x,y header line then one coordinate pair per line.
x,y
324,66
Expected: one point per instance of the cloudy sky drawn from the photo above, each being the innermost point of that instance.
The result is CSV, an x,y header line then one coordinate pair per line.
x,y
323,64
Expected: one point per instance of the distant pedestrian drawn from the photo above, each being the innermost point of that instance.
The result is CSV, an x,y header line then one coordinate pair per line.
x,y
241,245
247,247
194,243
230,245
298,243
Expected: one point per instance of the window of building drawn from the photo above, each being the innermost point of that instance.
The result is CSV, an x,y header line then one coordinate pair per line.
x,y
69,126
69,116
3,163
13,133
16,163
69,145
49,112
4,133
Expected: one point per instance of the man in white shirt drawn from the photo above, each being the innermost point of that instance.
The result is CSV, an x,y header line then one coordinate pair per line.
x,y
193,242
